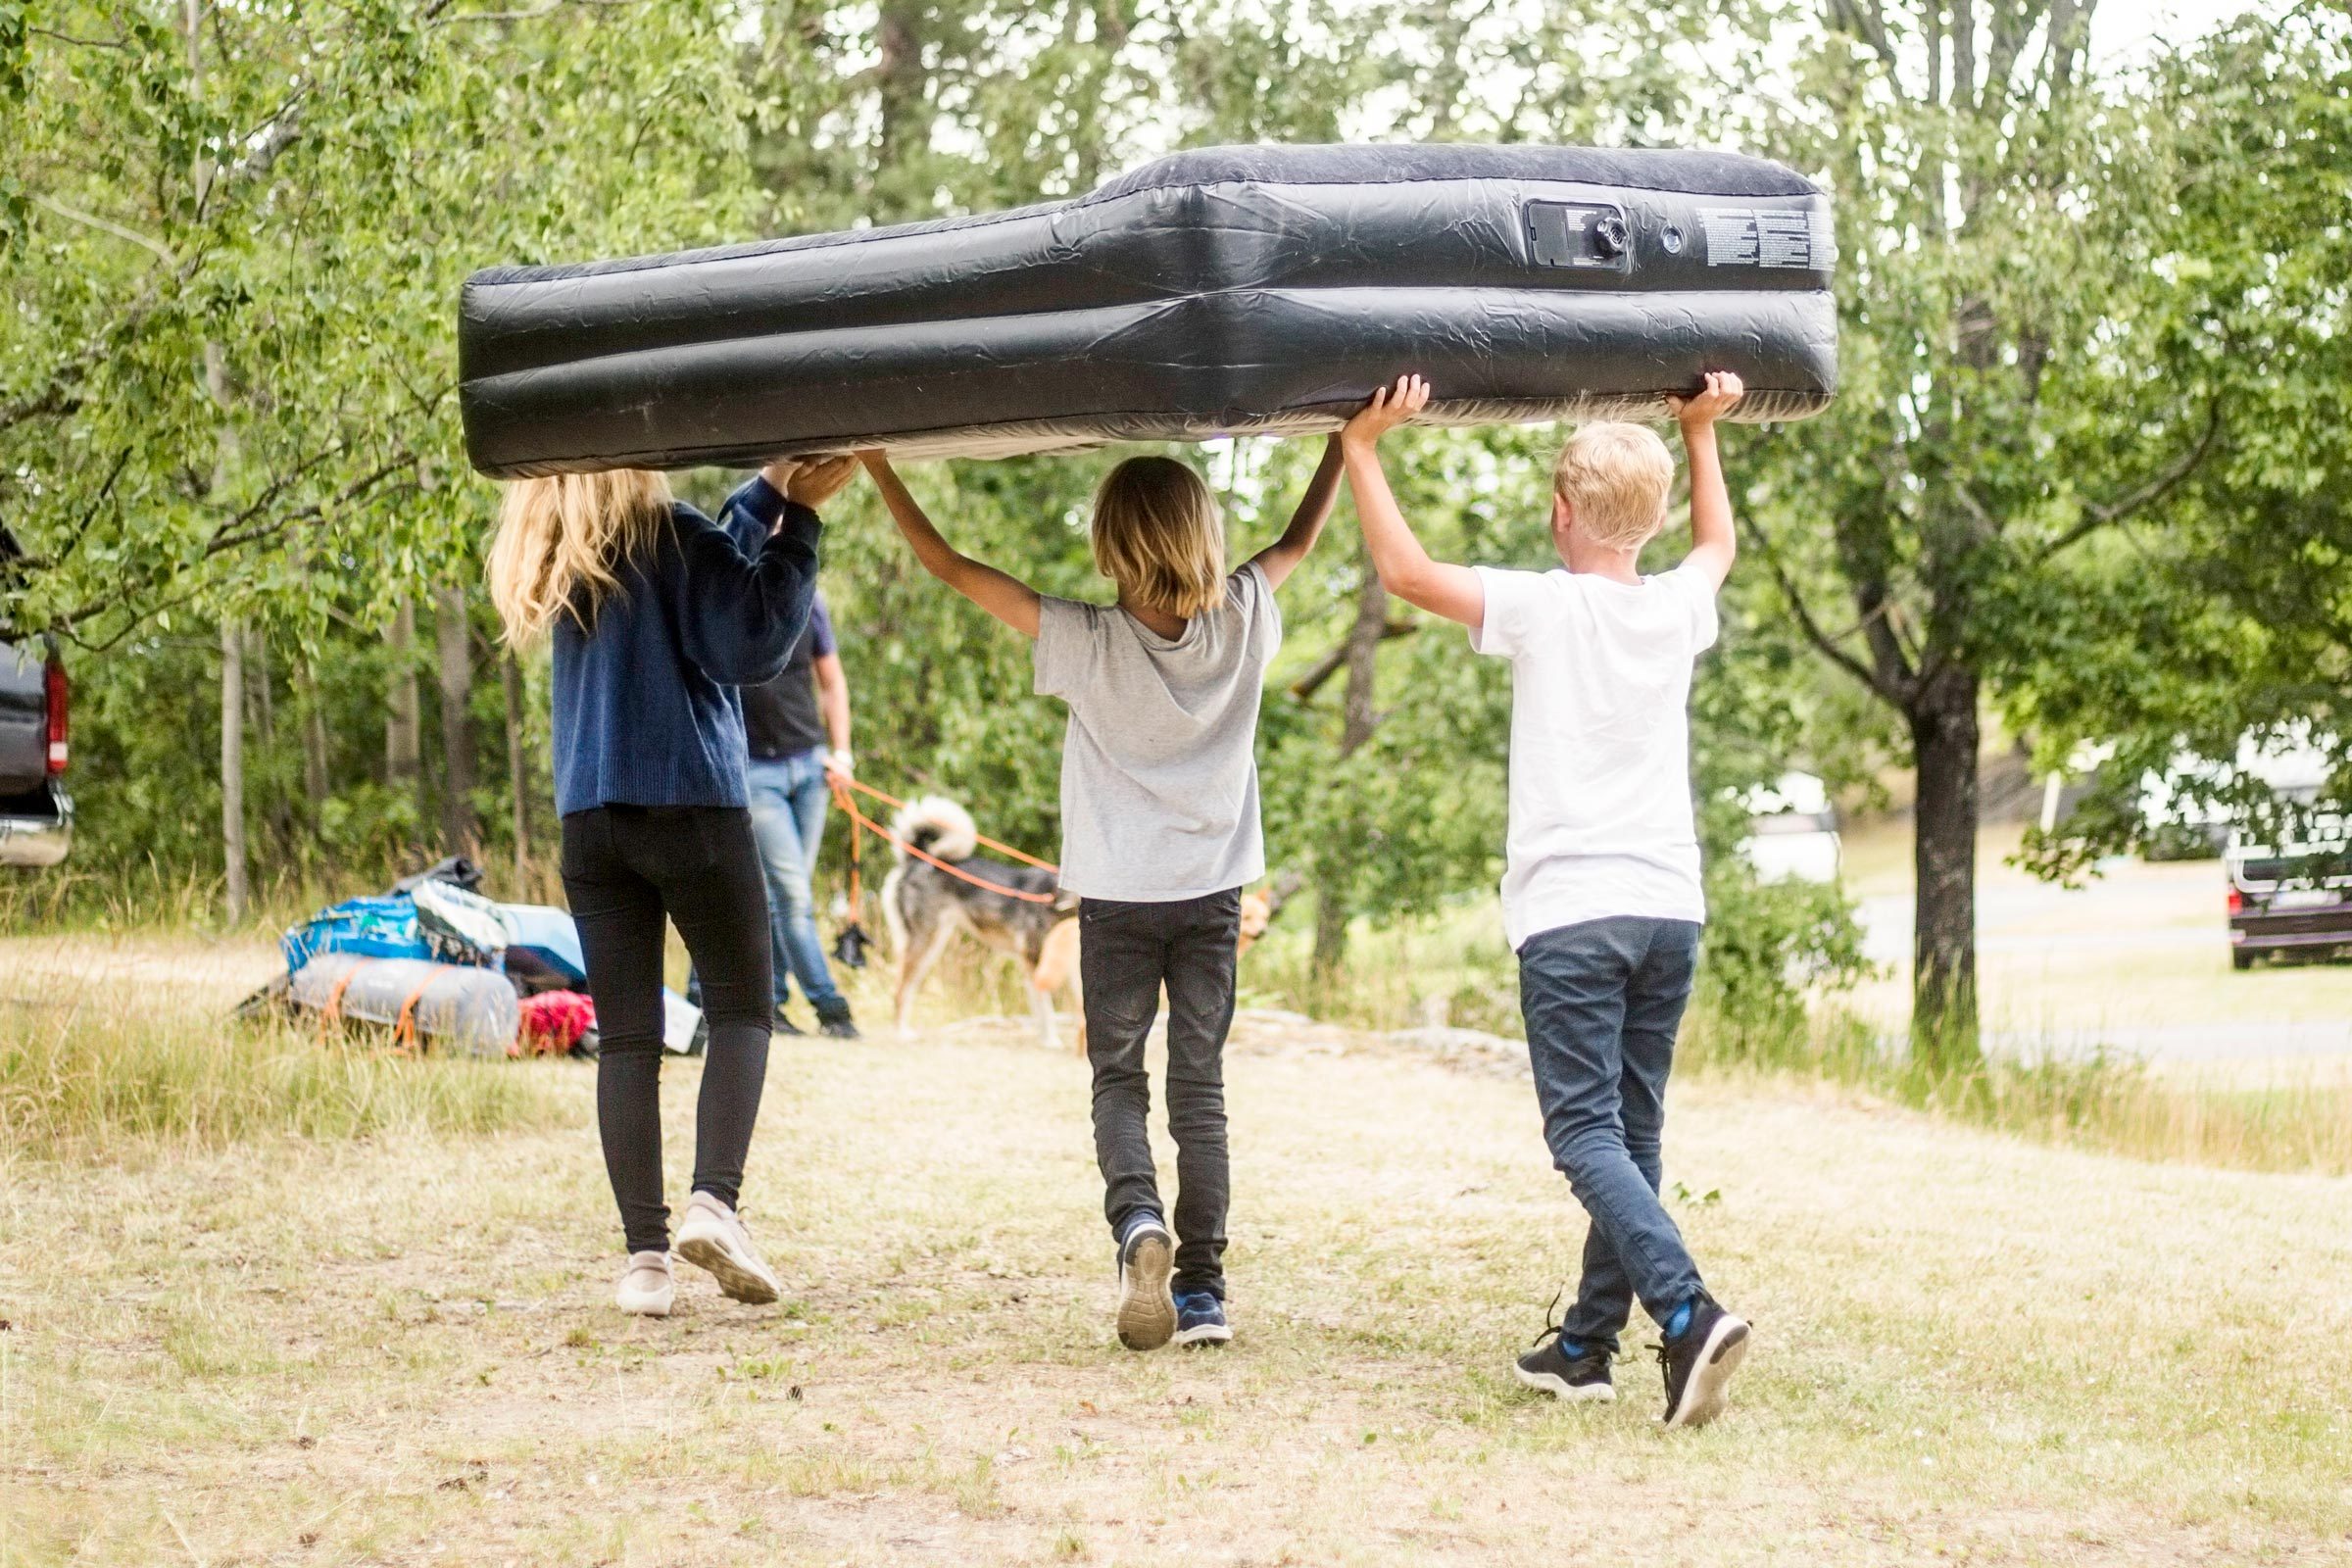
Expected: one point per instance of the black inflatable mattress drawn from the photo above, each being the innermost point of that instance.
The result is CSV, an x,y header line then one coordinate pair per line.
x,y
1227,290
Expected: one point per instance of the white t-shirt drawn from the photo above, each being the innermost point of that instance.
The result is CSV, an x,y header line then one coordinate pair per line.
x,y
1600,743
1159,766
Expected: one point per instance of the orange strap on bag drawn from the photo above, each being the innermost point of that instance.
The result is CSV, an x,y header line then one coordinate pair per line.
x,y
332,1013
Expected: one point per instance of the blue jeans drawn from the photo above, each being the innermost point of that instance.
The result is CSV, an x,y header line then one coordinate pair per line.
x,y
1602,999
788,795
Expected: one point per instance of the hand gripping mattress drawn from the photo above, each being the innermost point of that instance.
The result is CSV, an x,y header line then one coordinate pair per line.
x,y
1226,290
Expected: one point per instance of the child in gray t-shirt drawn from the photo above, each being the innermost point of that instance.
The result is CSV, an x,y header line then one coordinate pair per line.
x,y
1160,833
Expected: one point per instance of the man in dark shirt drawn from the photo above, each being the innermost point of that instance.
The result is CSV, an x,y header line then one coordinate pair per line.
x,y
799,729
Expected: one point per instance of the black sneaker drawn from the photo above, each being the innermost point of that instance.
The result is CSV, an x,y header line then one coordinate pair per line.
x,y
1699,1364
835,1024
783,1023
1583,1376
1146,1311
1201,1319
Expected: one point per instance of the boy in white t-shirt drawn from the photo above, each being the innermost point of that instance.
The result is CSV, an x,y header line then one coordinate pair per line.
x,y
1600,891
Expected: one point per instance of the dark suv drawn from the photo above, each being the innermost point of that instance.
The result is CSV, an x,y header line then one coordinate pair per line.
x,y
37,816
2292,898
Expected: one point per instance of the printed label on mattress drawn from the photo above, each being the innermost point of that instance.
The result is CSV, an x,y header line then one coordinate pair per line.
x,y
1749,236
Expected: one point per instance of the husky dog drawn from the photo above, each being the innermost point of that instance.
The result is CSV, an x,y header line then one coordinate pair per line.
x,y
926,906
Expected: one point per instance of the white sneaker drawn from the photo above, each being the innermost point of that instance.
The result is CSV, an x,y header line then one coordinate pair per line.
x,y
713,1238
646,1288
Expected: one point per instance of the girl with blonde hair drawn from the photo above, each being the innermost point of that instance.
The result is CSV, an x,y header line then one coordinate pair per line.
x,y
656,614
1160,824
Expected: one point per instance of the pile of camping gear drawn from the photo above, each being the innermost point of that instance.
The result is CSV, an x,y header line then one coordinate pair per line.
x,y
441,967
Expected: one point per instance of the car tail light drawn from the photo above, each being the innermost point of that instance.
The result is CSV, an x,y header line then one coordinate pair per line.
x,y
58,694
2238,901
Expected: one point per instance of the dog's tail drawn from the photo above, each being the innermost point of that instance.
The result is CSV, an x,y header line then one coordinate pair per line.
x,y
936,825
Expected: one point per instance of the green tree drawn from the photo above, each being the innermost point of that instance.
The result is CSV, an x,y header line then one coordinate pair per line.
x,y
2234,618
233,239
2001,305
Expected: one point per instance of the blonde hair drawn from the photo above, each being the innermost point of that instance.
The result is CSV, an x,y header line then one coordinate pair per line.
x,y
563,538
1616,477
1158,535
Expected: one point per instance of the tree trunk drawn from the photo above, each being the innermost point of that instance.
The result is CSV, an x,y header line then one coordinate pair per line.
x,y
518,771
232,766
403,769
261,687
317,780
901,126
460,833
1943,983
1335,866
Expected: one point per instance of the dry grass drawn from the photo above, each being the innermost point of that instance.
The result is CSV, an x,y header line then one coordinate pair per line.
x,y
115,1047
399,1350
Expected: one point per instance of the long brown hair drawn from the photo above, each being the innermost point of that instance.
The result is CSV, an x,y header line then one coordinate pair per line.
x,y
563,540
1158,535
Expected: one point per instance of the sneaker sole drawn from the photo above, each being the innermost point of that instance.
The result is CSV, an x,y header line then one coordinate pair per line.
x,y
1703,1396
1147,1309
737,1277
637,1305
1205,1334
1561,1388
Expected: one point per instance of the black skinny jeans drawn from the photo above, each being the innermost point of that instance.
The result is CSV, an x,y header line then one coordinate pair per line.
x,y
625,869
1126,951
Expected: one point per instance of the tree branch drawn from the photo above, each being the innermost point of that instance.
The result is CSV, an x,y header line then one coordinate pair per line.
x,y
2100,514
439,16
228,536
154,246
1869,25
1331,663
1806,622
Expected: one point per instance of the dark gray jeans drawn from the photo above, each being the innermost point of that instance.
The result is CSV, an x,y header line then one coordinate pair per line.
x,y
1126,951
1602,999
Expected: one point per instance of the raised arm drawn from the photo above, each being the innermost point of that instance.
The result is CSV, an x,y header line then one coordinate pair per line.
x,y
1007,598
1712,544
1281,558
1405,568
746,583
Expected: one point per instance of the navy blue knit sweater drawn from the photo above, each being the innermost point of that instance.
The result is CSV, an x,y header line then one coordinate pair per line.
x,y
645,708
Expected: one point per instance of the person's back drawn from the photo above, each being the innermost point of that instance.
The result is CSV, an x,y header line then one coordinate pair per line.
x,y
1601,892
1600,814
1159,766
647,709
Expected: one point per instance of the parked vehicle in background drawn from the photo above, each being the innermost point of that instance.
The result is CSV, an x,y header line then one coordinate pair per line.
x,y
2292,898
37,816
1792,831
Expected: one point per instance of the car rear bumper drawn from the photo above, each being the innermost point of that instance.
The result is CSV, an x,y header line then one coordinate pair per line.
x,y
37,838
2302,930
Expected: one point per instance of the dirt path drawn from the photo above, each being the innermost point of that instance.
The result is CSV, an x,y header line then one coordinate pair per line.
x,y
402,1352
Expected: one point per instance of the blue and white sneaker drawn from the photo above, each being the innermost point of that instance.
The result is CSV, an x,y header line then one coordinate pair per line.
x,y
1147,1259
1201,1319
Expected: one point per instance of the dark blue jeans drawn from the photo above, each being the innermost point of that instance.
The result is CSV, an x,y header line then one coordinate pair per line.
x,y
788,795
1602,999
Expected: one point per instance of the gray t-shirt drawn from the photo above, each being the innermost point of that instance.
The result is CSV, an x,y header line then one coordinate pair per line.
x,y
1160,768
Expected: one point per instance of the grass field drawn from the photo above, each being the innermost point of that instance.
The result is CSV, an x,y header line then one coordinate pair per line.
x,y
398,1348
